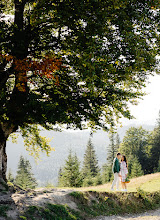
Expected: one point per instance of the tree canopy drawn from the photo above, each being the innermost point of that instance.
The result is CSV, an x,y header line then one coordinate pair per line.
x,y
73,61
70,61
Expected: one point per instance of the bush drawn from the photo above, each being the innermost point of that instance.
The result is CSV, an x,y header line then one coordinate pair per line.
x,y
88,181
97,180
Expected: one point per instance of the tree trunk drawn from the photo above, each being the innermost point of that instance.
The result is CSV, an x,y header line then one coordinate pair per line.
x,y
3,160
5,131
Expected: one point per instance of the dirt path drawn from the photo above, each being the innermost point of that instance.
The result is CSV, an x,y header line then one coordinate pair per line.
x,y
151,215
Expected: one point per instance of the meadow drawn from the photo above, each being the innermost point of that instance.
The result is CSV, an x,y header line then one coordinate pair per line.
x,y
147,183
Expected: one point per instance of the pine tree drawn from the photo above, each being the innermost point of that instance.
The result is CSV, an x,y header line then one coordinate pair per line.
x,y
130,161
136,168
24,177
117,144
155,146
113,147
90,163
158,169
59,176
10,177
70,175
107,174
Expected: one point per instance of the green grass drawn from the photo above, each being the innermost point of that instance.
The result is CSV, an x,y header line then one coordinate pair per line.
x,y
143,194
151,185
50,212
3,210
115,203
92,204
148,183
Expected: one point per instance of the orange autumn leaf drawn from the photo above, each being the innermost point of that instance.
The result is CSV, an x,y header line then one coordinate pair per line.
x,y
44,67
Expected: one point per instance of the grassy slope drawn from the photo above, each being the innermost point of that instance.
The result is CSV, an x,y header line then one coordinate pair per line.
x,y
143,194
148,183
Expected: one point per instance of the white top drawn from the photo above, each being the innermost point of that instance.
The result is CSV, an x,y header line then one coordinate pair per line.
x,y
124,170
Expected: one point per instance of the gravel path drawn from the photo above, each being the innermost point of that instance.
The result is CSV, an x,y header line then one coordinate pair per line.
x,y
151,215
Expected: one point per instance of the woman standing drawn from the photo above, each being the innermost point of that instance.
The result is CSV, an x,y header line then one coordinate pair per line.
x,y
124,172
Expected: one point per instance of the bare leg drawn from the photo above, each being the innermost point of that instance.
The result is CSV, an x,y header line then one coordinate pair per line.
x,y
123,185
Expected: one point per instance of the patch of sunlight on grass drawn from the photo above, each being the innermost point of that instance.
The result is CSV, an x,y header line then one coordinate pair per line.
x,y
148,183
151,185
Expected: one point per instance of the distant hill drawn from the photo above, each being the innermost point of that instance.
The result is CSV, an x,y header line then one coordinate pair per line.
x,y
47,169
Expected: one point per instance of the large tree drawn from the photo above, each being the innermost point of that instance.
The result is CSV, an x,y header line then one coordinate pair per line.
x,y
69,61
136,143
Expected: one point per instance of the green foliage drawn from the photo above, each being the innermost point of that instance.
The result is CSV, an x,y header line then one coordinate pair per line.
x,y
116,204
158,169
88,181
24,177
90,163
135,143
101,52
97,180
34,142
143,145
154,153
69,175
49,185
105,56
3,210
10,177
113,147
136,168
130,161
107,173
76,194
54,212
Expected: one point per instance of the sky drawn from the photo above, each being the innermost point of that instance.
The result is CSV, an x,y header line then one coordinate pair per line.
x,y
146,112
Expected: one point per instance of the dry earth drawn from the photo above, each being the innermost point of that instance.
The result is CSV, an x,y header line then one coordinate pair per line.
x,y
18,202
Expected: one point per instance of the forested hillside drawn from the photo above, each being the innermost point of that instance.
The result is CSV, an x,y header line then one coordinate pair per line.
x,y
47,169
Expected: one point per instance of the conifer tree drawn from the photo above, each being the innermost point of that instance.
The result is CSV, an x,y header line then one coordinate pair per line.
x,y
117,140
70,175
59,176
90,163
158,169
130,160
24,177
112,148
10,177
155,146
136,168
107,173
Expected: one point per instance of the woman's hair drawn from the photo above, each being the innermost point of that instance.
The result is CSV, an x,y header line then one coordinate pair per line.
x,y
124,159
